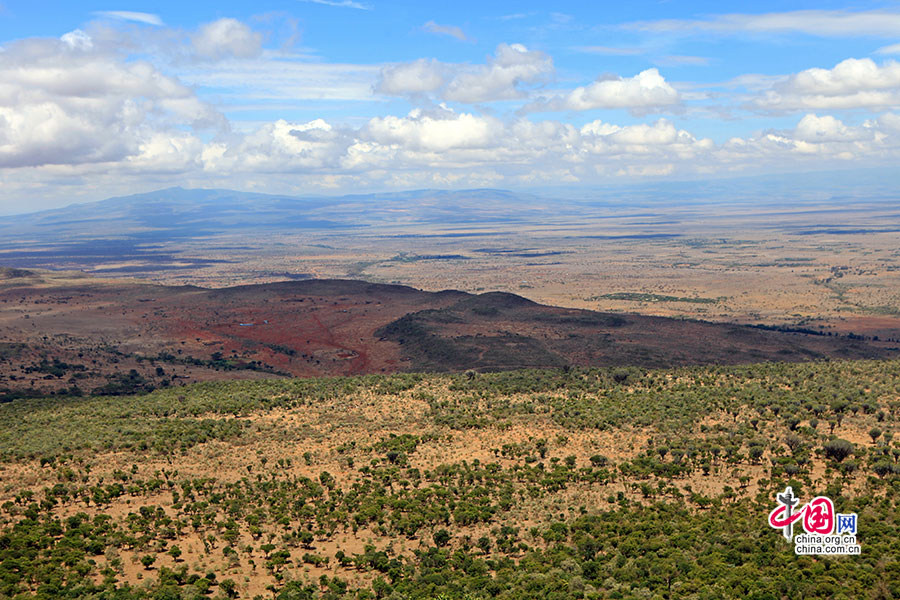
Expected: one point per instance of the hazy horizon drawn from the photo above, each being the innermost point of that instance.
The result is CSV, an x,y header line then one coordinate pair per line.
x,y
796,188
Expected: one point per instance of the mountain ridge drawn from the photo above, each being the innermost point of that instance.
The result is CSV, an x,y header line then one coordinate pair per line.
x,y
71,331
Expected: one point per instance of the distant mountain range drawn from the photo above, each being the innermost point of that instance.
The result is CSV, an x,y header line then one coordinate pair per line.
x,y
150,227
176,213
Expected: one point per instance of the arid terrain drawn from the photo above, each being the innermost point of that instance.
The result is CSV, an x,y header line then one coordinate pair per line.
x,y
823,263
436,395
75,333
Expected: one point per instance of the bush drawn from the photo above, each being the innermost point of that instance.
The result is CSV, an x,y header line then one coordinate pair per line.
x,y
837,449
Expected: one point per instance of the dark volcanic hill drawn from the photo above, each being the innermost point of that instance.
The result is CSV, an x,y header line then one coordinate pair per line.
x,y
72,332
504,331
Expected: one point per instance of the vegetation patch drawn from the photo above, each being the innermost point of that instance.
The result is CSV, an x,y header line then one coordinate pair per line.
x,y
644,297
555,483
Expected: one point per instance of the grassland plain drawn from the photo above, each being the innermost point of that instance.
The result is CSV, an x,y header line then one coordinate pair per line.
x,y
564,483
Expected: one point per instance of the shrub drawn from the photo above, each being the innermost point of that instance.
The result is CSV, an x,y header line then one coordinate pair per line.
x,y
838,449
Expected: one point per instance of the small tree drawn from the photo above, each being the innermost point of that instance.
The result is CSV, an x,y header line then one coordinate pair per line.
x,y
756,452
441,537
883,468
874,433
229,587
837,449
175,552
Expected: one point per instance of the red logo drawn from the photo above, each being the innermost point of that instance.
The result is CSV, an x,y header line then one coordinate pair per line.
x,y
818,515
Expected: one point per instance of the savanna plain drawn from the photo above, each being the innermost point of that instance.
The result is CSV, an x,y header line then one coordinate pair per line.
x,y
579,401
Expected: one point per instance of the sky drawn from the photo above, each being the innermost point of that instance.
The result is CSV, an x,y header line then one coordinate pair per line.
x,y
312,97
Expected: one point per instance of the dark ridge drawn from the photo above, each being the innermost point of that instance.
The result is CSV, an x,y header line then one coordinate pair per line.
x,y
451,293
320,327
294,276
325,287
495,300
10,273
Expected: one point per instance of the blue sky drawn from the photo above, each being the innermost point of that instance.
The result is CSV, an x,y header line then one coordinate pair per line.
x,y
335,96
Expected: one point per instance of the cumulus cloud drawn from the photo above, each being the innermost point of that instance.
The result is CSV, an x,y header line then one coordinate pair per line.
x,y
645,92
437,132
227,38
823,140
503,77
816,129
853,83
65,102
80,106
445,147
77,39
442,141
888,122
500,79
281,147
659,139
417,77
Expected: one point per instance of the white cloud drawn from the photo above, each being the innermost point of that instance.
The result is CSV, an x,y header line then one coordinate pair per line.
x,y
813,128
500,79
262,78
438,132
77,39
66,103
503,77
450,145
284,146
646,91
824,23
166,152
849,76
679,60
819,140
341,4
447,148
420,76
660,140
127,15
80,110
887,122
227,38
892,49
514,16
853,83
450,30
